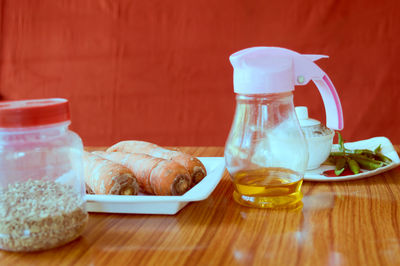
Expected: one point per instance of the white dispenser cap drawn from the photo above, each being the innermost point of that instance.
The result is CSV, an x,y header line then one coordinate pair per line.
x,y
266,70
256,75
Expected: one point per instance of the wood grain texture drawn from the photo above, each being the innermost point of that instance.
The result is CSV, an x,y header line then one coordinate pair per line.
x,y
340,223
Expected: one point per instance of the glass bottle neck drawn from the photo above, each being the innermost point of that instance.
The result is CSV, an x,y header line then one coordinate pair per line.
x,y
264,98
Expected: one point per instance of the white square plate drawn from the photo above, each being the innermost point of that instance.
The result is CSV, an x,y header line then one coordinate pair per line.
x,y
371,144
148,204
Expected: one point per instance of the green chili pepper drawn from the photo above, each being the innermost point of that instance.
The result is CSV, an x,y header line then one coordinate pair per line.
x,y
367,153
341,144
381,157
336,154
366,163
384,159
364,152
340,165
378,149
354,166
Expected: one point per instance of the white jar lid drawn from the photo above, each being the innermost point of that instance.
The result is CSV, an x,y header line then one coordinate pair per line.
x,y
302,115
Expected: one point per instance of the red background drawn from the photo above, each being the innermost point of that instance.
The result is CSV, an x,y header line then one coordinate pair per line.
x,y
159,70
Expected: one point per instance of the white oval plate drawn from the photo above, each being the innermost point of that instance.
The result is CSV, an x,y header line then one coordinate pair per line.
x,y
371,144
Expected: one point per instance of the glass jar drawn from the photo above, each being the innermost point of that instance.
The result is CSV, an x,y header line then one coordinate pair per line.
x,y
42,190
266,152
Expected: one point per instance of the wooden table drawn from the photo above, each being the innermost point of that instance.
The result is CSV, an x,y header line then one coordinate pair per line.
x,y
340,223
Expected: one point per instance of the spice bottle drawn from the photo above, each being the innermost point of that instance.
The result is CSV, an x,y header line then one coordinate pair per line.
x,y
42,190
266,151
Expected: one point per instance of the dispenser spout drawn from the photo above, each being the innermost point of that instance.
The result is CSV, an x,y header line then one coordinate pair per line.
x,y
315,57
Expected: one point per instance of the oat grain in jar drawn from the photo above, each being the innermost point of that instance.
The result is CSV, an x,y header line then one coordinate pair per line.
x,y
42,190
